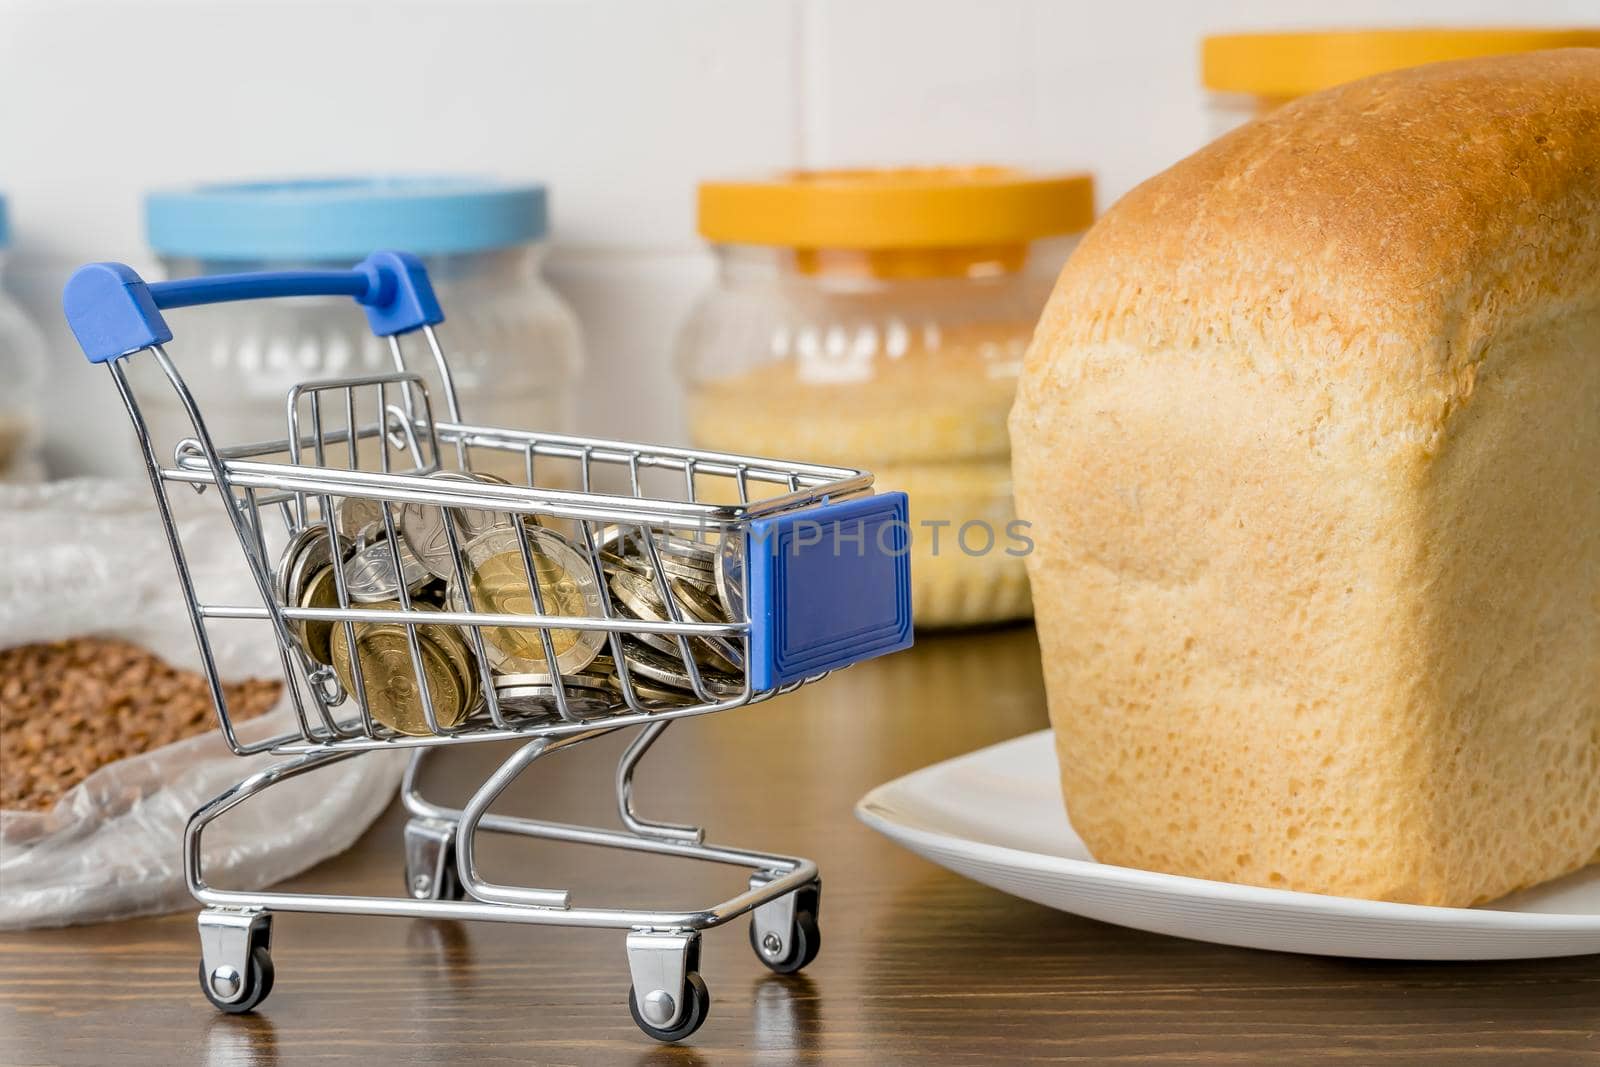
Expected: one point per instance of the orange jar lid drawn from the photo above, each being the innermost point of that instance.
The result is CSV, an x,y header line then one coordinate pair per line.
x,y
909,208
1286,65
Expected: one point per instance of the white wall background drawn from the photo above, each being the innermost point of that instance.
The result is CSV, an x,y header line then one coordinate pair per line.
x,y
620,105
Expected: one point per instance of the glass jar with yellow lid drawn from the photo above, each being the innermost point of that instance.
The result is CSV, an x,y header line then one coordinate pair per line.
x,y
878,318
1249,74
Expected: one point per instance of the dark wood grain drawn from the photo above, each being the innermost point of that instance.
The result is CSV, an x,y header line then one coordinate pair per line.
x,y
917,965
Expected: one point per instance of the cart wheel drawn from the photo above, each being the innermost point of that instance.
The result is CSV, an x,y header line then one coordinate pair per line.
x,y
804,942
800,948
257,982
431,872
696,1008
447,887
450,885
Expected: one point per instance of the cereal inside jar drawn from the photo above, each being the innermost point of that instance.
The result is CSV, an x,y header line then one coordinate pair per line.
x,y
22,349
879,319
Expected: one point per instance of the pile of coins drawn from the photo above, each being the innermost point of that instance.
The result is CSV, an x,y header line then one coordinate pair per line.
x,y
497,555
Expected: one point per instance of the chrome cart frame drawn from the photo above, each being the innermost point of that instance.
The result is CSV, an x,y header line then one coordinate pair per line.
x,y
802,617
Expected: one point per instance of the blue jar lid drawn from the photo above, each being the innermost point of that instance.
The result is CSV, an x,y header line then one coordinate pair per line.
x,y
343,218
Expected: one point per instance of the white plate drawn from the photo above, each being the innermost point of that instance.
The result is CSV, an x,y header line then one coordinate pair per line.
x,y
996,817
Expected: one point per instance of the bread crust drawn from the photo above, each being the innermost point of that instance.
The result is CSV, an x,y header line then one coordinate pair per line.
x,y
1308,438
1372,238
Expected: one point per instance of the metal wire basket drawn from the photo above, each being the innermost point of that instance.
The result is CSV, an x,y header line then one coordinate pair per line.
x,y
368,491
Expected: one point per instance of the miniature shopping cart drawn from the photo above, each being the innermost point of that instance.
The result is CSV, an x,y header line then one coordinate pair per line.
x,y
814,561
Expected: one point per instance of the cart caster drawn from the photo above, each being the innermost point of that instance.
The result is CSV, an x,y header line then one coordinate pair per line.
x,y
788,955
784,932
249,988
431,872
235,959
668,998
696,1001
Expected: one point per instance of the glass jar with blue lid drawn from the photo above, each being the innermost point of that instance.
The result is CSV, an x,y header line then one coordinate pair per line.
x,y
22,371
514,346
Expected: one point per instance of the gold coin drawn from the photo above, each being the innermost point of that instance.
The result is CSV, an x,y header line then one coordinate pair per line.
x,y
665,670
639,595
452,641
498,582
703,606
322,591
700,600
304,562
307,552
394,697
612,562
640,598
651,694
455,645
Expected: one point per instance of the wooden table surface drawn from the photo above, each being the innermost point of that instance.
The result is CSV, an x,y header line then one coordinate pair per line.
x,y
917,965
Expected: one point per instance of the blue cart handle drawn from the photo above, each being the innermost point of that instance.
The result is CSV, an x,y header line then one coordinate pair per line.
x,y
113,312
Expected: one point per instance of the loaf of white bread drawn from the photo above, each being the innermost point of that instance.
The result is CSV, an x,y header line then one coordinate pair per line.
x,y
1309,439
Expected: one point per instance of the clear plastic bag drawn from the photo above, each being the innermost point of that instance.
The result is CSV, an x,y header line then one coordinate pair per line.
x,y
88,558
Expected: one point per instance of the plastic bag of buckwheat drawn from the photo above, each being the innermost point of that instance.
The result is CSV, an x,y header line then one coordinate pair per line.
x,y
108,738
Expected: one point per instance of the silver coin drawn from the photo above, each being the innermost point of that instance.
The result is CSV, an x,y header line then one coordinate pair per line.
x,y
307,553
369,575
680,556
618,537
356,514
685,548
587,694
533,685
671,672
584,703
610,538
300,582
676,567
368,534
729,576
422,525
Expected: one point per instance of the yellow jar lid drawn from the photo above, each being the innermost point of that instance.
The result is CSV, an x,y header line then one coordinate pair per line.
x,y
1286,65
934,207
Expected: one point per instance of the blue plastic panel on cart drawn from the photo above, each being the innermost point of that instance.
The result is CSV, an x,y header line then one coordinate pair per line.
x,y
827,587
